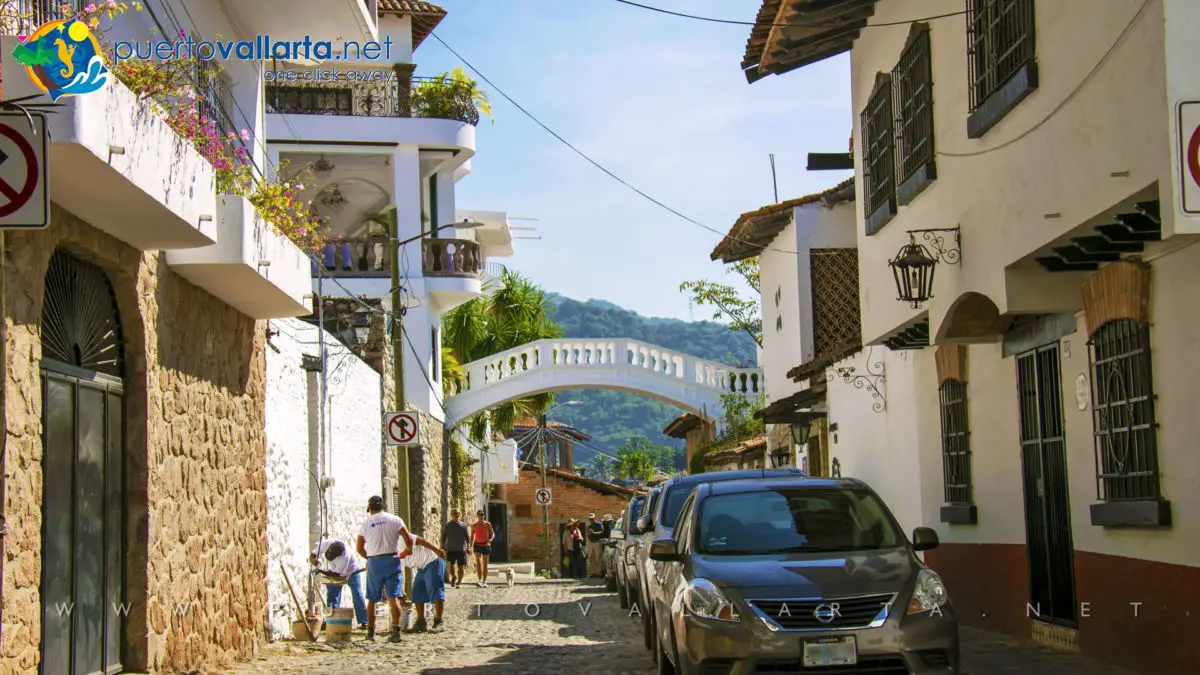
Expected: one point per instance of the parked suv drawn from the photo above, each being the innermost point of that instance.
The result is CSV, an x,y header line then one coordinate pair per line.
x,y
657,523
799,574
621,540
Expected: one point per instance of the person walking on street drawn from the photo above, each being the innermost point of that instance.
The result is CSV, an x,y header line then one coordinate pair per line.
x,y
429,582
455,538
595,532
482,534
345,565
573,544
378,542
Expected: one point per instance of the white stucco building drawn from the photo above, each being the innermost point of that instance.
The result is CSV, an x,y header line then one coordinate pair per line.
x,y
1040,392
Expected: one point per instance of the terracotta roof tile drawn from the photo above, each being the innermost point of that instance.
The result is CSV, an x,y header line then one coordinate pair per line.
x,y
590,483
528,422
754,230
746,447
425,16
680,426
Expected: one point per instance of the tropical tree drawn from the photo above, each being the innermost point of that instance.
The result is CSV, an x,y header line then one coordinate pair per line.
x,y
452,373
602,467
634,465
742,313
515,312
663,457
441,95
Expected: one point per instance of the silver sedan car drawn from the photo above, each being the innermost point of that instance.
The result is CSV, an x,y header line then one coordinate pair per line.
x,y
800,575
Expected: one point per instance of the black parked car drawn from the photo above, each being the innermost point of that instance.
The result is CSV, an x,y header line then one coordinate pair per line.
x,y
619,564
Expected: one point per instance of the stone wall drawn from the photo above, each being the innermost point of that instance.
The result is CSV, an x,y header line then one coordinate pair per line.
x,y
427,474
195,553
353,426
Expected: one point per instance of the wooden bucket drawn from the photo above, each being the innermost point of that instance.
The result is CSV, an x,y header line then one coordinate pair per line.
x,y
337,626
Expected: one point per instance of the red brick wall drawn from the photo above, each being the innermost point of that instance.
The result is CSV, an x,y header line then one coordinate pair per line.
x,y
569,500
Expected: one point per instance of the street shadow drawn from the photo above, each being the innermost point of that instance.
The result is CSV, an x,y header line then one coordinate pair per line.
x,y
609,658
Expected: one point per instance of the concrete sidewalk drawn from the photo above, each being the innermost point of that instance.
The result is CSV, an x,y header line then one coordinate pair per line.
x,y
985,653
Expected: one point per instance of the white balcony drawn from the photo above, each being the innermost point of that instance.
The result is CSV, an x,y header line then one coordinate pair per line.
x,y
452,269
116,164
252,268
328,20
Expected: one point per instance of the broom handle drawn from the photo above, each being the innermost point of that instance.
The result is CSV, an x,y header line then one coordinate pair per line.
x,y
299,607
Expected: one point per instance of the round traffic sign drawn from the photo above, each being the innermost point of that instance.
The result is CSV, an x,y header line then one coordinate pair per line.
x,y
542,496
1193,156
402,429
18,198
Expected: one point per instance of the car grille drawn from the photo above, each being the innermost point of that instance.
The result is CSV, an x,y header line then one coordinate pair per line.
x,y
855,612
867,665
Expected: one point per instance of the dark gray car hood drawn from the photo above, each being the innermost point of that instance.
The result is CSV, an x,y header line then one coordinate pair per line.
x,y
809,575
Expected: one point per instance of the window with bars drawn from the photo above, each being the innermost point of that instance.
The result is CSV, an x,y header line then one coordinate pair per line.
x,y
1001,56
215,95
1123,420
878,141
912,84
311,100
956,453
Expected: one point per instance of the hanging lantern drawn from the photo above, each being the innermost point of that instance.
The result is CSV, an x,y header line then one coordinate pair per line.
x,y
913,269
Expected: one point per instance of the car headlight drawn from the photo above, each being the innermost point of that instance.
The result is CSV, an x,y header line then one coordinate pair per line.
x,y
705,600
929,594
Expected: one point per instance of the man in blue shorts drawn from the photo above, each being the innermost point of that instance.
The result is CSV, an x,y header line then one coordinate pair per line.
x,y
429,582
378,542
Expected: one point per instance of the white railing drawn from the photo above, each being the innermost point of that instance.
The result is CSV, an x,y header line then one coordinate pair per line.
x,y
607,353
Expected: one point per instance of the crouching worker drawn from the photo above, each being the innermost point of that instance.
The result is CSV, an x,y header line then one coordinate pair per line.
x,y
343,564
429,581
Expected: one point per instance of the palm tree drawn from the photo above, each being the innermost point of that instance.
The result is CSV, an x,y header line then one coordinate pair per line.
x,y
634,465
452,373
514,313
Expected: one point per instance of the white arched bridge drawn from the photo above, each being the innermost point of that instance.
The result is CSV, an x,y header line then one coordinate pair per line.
x,y
690,383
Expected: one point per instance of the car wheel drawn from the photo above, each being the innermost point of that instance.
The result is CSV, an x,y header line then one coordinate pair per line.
x,y
610,582
623,596
665,667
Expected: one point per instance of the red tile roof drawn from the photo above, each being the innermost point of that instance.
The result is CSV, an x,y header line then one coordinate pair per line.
x,y
528,422
754,230
425,16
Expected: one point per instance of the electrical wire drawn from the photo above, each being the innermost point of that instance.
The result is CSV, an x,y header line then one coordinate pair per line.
x,y
780,25
1069,97
605,170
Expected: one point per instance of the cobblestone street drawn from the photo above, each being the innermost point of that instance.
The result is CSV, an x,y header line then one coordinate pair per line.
x,y
575,627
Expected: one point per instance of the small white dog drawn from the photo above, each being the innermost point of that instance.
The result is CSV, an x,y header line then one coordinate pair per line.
x,y
510,576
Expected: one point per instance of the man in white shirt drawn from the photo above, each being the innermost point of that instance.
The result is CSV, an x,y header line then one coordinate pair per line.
x,y
429,582
342,564
378,542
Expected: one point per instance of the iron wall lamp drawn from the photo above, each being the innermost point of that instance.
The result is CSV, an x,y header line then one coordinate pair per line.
x,y
914,264
800,432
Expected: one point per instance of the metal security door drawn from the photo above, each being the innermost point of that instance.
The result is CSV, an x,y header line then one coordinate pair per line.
x,y
1047,496
82,585
498,517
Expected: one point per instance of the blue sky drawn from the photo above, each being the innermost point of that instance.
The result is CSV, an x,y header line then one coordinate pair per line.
x,y
660,101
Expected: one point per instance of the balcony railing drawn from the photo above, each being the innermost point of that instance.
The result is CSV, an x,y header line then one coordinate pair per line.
x,y
495,269
363,257
451,258
403,96
21,16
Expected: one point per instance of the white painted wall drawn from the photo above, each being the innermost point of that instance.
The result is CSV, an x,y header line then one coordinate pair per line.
x,y
783,339
884,448
352,459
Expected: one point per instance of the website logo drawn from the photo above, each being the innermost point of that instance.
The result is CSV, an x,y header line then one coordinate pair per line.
x,y
63,58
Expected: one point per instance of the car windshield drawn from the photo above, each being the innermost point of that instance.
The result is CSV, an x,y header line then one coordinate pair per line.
x,y
795,519
676,496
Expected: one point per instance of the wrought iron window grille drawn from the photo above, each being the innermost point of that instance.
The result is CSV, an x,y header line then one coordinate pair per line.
x,y
1000,41
1124,424
872,380
879,167
912,82
956,442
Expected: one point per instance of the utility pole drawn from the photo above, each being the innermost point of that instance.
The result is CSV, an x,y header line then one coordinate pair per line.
x,y
396,326
541,432
774,182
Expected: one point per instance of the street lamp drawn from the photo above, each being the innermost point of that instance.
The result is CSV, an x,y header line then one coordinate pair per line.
x,y
541,430
914,264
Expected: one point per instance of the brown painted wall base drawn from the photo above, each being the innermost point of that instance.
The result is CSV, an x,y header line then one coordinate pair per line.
x,y
989,584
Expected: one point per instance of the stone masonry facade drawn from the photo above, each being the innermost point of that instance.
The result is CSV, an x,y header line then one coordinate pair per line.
x,y
570,499
195,498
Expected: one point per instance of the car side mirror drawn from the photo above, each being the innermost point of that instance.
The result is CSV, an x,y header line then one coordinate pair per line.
x,y
924,538
644,524
663,550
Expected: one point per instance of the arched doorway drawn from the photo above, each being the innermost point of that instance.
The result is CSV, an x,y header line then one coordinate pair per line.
x,y
83,463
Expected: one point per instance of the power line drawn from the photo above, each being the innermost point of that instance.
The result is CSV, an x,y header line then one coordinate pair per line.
x,y
600,166
735,22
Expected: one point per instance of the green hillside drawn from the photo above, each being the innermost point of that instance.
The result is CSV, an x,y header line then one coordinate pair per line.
x,y
612,417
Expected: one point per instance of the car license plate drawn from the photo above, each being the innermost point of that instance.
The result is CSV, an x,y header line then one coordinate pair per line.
x,y
841,651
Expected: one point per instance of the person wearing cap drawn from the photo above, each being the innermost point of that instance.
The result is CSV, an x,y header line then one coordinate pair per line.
x,y
595,532
572,543
343,564
379,542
